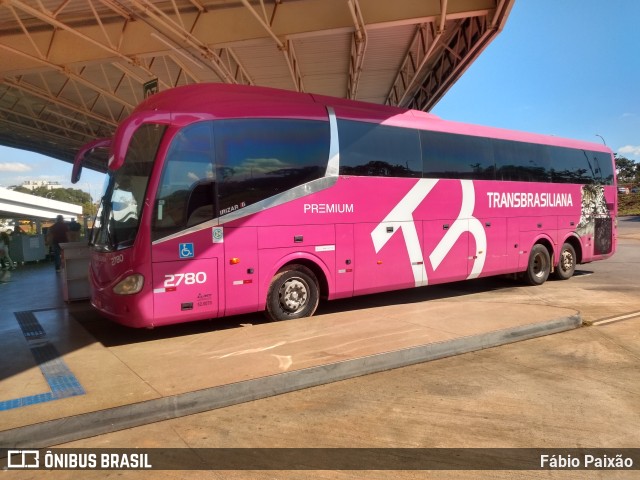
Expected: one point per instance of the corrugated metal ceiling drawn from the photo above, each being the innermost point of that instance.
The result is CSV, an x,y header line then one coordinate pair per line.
x,y
72,69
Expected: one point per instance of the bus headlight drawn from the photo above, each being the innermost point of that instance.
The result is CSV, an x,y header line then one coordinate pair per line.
x,y
130,285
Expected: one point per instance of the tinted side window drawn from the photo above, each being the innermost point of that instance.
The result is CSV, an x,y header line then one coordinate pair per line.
x,y
371,149
603,167
521,162
447,155
259,158
186,192
570,166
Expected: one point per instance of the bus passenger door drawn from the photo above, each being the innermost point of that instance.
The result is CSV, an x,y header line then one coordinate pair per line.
x,y
240,270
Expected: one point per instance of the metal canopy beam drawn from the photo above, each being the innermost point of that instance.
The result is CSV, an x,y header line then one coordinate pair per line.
x,y
358,48
470,37
234,24
285,46
71,70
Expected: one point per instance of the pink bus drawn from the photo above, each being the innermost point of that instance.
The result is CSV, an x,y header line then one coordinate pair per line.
x,y
226,199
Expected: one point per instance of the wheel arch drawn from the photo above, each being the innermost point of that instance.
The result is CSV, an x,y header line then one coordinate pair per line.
x,y
318,271
548,244
313,263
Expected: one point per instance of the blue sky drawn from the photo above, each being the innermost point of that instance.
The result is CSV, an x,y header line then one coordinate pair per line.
x,y
569,68
16,166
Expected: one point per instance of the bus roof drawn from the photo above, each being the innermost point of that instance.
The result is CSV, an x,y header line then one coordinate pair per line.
x,y
208,98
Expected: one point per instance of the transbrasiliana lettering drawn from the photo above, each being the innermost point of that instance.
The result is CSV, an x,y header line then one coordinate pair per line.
x,y
526,200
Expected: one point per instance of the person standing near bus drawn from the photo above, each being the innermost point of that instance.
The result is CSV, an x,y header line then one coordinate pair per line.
x,y
58,233
74,231
5,259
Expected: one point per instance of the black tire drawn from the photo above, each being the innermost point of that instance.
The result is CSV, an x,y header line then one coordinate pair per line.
x,y
539,265
293,293
566,263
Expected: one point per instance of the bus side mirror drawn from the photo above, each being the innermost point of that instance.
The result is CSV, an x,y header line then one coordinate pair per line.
x,y
83,152
125,132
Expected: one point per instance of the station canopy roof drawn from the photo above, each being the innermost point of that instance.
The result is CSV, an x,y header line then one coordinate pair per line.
x,y
71,70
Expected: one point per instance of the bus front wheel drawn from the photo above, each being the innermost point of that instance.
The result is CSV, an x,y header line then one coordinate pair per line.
x,y
539,265
567,263
293,293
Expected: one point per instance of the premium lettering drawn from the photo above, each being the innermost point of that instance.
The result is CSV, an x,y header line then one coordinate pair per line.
x,y
328,208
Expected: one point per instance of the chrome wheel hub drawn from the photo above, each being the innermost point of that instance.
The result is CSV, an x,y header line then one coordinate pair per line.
x,y
293,295
566,260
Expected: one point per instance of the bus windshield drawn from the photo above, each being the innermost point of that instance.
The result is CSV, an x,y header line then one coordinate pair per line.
x,y
120,209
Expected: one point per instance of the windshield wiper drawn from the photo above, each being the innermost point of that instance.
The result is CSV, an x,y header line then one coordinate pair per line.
x,y
97,222
101,237
111,238
593,174
598,169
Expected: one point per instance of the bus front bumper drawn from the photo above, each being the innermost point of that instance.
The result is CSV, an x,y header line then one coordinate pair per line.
x,y
126,310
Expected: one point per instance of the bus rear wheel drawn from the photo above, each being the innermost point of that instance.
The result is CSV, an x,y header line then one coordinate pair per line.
x,y
567,263
539,265
293,293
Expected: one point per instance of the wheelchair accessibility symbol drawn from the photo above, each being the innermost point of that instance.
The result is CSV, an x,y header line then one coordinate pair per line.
x,y
186,250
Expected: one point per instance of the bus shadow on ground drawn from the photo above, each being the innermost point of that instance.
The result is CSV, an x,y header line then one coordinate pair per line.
x,y
111,334
417,295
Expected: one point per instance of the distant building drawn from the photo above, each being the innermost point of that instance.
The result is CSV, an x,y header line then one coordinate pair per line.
x,y
33,184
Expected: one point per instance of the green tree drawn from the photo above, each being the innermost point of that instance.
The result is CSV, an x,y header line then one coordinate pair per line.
x,y
627,169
